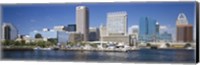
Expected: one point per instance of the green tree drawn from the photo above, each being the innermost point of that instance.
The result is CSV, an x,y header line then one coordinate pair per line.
x,y
148,45
41,44
167,44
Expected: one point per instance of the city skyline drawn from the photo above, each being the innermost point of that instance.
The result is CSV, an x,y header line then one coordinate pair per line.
x,y
34,17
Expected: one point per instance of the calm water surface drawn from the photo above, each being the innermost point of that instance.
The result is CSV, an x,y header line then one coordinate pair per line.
x,y
144,55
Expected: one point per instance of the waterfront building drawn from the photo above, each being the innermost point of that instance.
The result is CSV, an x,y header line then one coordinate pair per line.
x,y
60,28
126,40
133,31
75,37
59,36
184,31
71,27
117,23
82,21
9,31
94,34
148,29
165,37
103,31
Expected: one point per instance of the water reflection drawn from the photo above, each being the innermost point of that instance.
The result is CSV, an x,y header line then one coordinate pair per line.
x,y
130,56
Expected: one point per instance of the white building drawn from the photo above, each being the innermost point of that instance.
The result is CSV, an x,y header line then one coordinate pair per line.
x,y
103,32
117,23
9,32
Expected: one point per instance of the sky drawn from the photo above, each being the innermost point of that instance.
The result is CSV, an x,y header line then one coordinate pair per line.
x,y
30,17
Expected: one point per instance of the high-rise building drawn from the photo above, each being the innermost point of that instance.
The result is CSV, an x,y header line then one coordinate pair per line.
x,y
71,27
157,28
9,32
184,31
117,23
148,29
82,21
94,34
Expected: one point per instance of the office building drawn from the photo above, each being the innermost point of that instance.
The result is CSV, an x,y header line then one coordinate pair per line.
x,y
82,21
184,30
165,36
9,32
71,28
117,23
148,29
184,33
103,31
75,37
126,39
94,34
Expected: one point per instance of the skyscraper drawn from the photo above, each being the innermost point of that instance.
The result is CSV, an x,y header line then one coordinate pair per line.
x,y
82,21
184,31
9,32
103,31
117,23
148,29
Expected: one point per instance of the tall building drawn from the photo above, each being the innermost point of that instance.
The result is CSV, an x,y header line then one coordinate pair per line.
x,y
71,27
94,34
117,23
9,32
157,28
184,31
148,29
116,28
82,21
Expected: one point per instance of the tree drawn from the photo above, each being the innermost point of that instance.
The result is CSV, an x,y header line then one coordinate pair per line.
x,y
167,44
41,44
187,45
38,35
148,45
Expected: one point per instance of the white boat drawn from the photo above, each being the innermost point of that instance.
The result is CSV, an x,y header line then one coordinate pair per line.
x,y
39,48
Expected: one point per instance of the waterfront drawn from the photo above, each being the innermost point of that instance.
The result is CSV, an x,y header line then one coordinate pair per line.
x,y
143,55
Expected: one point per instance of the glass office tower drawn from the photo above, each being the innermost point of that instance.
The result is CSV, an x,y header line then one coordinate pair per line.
x,y
147,29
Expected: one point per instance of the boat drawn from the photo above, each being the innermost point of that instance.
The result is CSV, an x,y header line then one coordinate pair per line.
x,y
39,48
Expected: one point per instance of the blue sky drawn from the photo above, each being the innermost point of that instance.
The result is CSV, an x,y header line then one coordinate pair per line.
x,y
29,17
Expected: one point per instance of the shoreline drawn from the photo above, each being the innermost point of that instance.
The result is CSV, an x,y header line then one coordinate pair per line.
x,y
96,50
